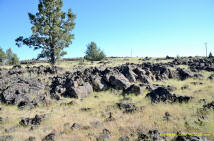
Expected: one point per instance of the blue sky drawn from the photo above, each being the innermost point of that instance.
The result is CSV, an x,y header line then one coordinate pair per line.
x,y
148,27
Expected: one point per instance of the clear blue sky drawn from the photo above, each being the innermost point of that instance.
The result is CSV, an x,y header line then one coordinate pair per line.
x,y
149,27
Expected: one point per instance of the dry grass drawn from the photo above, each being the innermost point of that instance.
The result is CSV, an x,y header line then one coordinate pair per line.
x,y
107,62
183,116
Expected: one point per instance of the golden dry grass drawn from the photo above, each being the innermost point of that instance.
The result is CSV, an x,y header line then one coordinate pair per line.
x,y
183,116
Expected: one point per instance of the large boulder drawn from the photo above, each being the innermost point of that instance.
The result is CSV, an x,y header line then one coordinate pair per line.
x,y
79,91
152,135
98,83
117,79
139,71
128,73
143,75
162,94
211,77
134,89
22,91
184,74
159,94
145,79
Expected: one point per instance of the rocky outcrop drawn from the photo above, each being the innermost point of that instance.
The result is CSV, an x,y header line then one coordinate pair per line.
x,y
153,135
188,137
80,91
82,83
211,77
163,95
127,107
209,106
184,74
32,121
134,89
98,83
116,79
127,71
22,91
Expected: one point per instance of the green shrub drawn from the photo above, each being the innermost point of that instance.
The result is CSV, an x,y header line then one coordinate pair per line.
x,y
93,53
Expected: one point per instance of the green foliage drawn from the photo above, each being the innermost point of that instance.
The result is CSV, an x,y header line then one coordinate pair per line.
x,y
3,56
9,54
210,55
51,30
60,53
93,53
12,58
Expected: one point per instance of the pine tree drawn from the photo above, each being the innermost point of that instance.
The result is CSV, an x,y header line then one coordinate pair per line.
x,y
210,55
12,58
9,54
51,30
93,53
3,56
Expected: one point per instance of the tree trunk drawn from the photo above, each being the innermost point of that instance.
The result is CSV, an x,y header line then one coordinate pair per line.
x,y
53,59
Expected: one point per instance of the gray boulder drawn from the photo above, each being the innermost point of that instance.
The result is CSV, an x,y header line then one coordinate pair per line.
x,y
135,89
184,74
211,77
22,91
145,79
98,83
128,73
79,91
127,107
117,80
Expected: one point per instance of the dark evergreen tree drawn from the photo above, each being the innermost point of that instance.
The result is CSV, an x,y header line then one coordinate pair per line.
x,y
93,53
210,55
51,30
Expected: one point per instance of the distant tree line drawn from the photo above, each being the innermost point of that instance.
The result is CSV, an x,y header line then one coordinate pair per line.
x,y
8,57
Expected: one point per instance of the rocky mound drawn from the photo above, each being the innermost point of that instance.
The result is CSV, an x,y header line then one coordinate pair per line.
x,y
209,105
22,91
188,137
32,121
16,89
163,95
153,135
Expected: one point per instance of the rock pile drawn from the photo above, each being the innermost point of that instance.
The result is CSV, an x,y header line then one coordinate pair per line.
x,y
22,91
163,95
